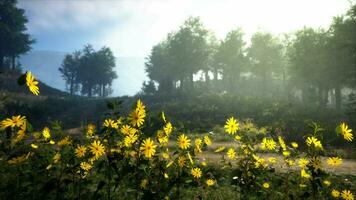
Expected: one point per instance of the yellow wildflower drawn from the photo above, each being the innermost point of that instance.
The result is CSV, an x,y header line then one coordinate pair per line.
x,y
196,172
210,182
183,142
345,131
335,193
268,143
347,195
207,140
219,149
282,143
35,146
148,148
327,182
266,185
80,151
90,130
65,141
304,174
85,166
17,121
137,118
231,126
302,162
181,161
334,161
56,157
109,123
46,133
97,149
32,83
294,145
168,128
231,153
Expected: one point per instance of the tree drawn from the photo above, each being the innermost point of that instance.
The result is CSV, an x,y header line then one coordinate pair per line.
x,y
230,57
13,39
188,51
265,55
92,70
69,70
148,88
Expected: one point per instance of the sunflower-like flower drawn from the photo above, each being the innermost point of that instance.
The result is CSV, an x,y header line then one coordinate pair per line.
x,y
231,126
302,162
207,140
90,130
347,195
31,83
85,166
210,182
168,128
313,141
148,148
334,161
335,193
97,149
137,118
265,185
109,123
183,142
345,131
196,172
14,121
46,133
268,144
231,153
80,151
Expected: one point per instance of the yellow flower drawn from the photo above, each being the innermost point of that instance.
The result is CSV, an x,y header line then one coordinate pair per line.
x,y
289,162
237,138
313,141
207,140
65,141
316,163
128,130
347,195
17,121
286,153
166,176
231,126
196,172
334,161
302,185
129,140
272,159
327,182
181,161
302,162
109,123
304,174
183,142
46,133
266,185
90,130
148,148
97,149
231,153
345,131
335,193
34,146
56,157
168,128
85,166
268,144
210,182
140,107
52,142
162,138
80,151
137,118
282,143
294,145
32,83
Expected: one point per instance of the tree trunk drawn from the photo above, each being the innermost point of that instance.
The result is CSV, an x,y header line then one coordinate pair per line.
x,y
337,97
71,87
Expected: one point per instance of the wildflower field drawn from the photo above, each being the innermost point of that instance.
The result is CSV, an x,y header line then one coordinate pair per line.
x,y
123,159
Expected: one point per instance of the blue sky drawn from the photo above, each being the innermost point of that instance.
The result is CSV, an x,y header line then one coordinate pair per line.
x,y
131,27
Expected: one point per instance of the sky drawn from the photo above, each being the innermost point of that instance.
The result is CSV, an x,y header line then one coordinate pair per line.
x,y
131,27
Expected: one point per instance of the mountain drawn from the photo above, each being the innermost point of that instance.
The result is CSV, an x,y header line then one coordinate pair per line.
x,y
45,64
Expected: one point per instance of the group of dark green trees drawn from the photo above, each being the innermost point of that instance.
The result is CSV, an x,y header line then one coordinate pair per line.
x,y
314,66
88,71
14,40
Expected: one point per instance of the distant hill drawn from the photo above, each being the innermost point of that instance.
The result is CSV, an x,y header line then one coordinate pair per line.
x,y
45,64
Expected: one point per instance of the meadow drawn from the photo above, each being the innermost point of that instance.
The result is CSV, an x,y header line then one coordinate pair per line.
x,y
134,157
